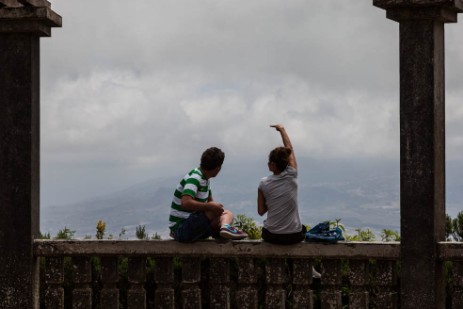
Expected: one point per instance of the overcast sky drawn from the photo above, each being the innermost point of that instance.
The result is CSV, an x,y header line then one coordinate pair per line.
x,y
136,89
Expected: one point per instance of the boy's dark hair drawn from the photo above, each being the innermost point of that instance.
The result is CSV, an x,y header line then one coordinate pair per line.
x,y
280,156
211,158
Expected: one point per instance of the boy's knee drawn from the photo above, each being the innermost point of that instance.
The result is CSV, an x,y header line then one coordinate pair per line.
x,y
227,212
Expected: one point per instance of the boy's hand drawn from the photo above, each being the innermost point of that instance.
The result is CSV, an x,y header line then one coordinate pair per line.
x,y
215,207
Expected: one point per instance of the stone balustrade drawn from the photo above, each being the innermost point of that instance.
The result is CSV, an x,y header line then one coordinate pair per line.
x,y
207,274
238,274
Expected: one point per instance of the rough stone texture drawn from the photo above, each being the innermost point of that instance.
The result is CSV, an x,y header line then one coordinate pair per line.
x,y
358,279
28,16
82,273
422,145
422,162
19,151
246,295
457,276
54,277
386,284
450,251
136,295
331,284
109,297
209,248
275,277
191,277
219,278
19,166
302,295
164,278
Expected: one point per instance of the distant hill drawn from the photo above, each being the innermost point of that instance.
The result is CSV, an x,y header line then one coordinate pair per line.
x,y
363,194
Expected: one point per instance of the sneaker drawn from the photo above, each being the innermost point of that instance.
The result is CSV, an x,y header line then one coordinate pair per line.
x,y
230,232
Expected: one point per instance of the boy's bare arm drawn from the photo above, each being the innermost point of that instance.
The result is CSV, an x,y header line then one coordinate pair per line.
x,y
190,204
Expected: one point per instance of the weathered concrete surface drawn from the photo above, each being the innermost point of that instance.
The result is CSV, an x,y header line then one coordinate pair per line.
x,y
28,16
20,29
209,248
422,145
19,165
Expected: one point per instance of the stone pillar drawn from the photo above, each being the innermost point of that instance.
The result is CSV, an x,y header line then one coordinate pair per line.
x,y
22,23
422,145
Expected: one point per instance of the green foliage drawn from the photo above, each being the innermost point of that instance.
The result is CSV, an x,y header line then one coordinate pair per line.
x,y
65,233
156,236
448,227
122,233
362,235
457,227
141,233
249,226
336,223
44,236
390,235
100,229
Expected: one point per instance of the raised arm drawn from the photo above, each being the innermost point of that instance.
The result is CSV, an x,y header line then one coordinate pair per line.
x,y
287,143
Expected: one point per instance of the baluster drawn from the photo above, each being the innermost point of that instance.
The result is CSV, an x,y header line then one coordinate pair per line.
x,y
275,278
358,278
219,279
386,278
246,294
109,297
302,278
164,296
191,276
457,296
330,295
54,278
136,296
82,294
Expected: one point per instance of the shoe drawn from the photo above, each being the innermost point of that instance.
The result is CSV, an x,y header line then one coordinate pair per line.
x,y
316,274
230,232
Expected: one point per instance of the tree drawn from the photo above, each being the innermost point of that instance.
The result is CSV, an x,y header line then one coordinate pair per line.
x,y
249,226
156,236
457,227
140,232
65,234
100,229
390,235
362,235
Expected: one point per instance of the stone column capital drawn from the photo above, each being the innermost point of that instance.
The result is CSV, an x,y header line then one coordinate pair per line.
x,y
28,16
440,10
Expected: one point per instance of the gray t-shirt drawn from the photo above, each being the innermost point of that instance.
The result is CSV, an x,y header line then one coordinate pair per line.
x,y
280,193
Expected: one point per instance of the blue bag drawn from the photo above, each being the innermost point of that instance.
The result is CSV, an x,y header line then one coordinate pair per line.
x,y
322,232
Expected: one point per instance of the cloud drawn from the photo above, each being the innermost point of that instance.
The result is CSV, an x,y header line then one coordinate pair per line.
x,y
141,87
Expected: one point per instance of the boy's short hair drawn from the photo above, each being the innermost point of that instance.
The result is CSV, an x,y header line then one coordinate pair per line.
x,y
211,158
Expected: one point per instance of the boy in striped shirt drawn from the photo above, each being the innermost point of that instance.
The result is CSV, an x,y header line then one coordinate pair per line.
x,y
194,214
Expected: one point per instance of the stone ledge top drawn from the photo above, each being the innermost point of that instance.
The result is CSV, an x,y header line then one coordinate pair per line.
x,y
387,4
24,3
440,10
211,248
28,16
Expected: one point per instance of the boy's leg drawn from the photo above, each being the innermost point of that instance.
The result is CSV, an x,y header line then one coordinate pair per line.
x,y
221,225
197,226
228,231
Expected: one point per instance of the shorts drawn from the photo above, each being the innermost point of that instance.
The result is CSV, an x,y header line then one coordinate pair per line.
x,y
197,226
284,239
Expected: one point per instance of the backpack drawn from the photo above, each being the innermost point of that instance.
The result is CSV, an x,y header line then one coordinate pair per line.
x,y
322,232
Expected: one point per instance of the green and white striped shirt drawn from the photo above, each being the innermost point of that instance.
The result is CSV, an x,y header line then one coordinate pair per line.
x,y
194,184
